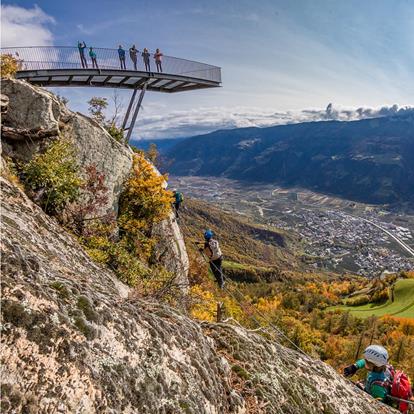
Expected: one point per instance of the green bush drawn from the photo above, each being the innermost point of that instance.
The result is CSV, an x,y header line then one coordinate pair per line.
x,y
53,177
359,300
126,264
380,296
115,132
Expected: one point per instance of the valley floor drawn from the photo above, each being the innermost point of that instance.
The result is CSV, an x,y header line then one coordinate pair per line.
x,y
337,234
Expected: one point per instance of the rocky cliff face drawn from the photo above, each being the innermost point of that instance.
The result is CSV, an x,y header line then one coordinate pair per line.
x,y
74,340
170,251
35,116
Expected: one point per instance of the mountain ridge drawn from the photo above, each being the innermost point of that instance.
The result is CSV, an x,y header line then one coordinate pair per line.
x,y
366,160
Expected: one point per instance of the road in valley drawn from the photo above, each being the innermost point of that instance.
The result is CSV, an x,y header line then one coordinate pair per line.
x,y
399,241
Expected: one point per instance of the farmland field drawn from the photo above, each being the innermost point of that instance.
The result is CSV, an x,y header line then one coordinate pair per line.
x,y
403,305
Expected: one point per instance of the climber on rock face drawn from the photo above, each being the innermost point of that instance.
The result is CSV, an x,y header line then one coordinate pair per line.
x,y
375,362
178,199
381,377
212,250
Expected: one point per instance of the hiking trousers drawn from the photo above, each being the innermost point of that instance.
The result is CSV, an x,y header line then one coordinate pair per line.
x,y
83,60
215,266
176,208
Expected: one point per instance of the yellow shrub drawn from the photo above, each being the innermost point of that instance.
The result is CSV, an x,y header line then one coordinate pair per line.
x,y
205,304
9,66
144,200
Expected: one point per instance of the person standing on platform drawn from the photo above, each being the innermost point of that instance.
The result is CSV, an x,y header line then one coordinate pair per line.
x,y
146,58
82,47
92,55
133,55
158,60
121,54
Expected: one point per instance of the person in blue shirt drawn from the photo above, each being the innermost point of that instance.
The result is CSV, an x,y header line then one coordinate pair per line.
x,y
378,379
92,55
121,54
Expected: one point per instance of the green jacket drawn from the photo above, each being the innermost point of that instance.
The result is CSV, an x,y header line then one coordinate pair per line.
x,y
373,382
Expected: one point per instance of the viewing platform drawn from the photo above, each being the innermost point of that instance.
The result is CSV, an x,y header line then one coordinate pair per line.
x,y
62,66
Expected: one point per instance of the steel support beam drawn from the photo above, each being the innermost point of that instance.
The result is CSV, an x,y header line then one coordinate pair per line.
x,y
131,103
134,117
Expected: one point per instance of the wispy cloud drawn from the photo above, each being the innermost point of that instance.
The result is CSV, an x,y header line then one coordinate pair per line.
x,y
204,120
25,27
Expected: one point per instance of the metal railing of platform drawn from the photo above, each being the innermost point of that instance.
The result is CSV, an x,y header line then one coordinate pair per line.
x,y
67,57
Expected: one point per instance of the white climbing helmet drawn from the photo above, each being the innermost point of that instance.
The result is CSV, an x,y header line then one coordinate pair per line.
x,y
376,354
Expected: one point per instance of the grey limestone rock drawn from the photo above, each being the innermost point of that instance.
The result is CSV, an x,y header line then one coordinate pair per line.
x,y
33,108
75,341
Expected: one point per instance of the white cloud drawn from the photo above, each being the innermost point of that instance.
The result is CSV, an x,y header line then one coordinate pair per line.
x,y
204,120
25,27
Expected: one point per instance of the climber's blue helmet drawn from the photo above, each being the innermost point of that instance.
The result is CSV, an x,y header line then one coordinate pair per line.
x,y
208,234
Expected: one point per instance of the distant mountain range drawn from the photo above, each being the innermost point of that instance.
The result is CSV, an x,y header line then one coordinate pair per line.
x,y
368,160
162,144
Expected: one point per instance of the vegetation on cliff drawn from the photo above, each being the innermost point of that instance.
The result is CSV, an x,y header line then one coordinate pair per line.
x,y
144,202
53,177
8,65
54,180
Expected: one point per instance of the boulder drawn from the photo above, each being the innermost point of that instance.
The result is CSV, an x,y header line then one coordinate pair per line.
x,y
37,116
30,106
4,103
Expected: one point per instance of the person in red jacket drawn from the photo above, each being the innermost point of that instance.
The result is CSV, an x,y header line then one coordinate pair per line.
x,y
158,60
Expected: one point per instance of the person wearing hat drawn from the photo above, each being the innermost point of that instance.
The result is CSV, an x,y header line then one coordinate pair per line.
x,y
375,361
212,250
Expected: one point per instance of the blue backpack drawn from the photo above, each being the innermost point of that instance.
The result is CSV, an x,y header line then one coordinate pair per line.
x,y
179,197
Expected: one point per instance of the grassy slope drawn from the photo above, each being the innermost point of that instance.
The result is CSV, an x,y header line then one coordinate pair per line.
x,y
402,306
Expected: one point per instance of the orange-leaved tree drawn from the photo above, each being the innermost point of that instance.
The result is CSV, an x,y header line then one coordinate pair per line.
x,y
144,202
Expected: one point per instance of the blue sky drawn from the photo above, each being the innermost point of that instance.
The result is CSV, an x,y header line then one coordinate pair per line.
x,y
278,57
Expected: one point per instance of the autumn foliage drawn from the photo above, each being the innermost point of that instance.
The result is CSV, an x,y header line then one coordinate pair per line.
x,y
9,66
145,200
